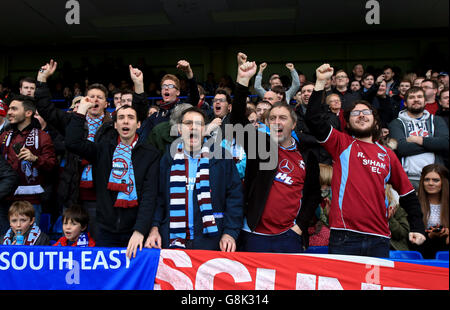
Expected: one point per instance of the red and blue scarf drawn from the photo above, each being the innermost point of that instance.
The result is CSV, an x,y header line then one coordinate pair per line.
x,y
93,125
29,239
121,178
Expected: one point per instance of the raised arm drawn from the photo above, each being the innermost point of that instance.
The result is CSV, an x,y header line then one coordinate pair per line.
x,y
315,120
46,108
295,85
140,101
260,91
194,95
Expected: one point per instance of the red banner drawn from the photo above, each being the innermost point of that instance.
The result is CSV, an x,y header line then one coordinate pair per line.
x,y
210,270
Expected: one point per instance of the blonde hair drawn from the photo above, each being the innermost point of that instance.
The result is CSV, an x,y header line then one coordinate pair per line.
x,y
326,174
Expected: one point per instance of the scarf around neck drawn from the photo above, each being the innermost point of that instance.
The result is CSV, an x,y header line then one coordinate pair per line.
x,y
93,125
82,241
178,227
122,178
30,239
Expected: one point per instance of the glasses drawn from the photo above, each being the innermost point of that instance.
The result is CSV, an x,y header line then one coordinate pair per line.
x,y
341,76
358,112
164,86
192,123
219,100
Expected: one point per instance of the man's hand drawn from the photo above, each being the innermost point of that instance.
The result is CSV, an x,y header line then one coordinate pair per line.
x,y
138,79
85,105
153,239
46,71
215,123
290,66
416,238
227,243
184,66
380,79
241,58
245,72
136,240
297,229
262,67
25,154
415,139
323,73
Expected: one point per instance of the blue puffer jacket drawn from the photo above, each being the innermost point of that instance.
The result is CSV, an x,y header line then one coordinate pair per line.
x,y
227,199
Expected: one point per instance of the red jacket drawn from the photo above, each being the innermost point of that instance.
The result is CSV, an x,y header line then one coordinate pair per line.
x,y
31,177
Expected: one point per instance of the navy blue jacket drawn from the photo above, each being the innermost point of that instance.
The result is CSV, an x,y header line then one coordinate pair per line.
x,y
227,199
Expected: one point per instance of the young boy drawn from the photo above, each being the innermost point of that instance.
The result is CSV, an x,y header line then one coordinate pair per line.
x,y
75,223
21,217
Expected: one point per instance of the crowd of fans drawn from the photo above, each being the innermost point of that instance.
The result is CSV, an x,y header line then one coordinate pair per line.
x,y
360,155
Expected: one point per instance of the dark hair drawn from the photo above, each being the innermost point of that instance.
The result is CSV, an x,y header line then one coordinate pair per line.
x,y
413,90
193,109
28,102
115,92
99,87
376,130
435,84
281,104
223,91
126,91
444,194
125,106
278,89
28,80
77,214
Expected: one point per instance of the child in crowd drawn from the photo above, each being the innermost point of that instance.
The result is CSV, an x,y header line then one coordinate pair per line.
x,y
23,229
75,223
319,233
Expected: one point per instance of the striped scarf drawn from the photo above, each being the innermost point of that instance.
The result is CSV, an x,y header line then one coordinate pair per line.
x,y
178,227
30,239
93,125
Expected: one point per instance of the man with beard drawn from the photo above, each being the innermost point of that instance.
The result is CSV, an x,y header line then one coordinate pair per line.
x,y
28,150
361,169
422,137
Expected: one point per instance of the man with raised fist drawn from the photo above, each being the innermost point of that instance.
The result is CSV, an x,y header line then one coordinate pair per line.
x,y
362,167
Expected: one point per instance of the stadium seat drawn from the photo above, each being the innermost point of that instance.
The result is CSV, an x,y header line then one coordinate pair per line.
x,y
405,255
442,255
45,223
317,249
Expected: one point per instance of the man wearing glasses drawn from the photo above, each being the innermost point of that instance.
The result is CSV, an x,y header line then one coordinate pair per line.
x,y
345,93
362,168
200,202
170,92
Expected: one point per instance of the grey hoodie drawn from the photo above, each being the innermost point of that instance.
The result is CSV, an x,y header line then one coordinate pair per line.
x,y
435,141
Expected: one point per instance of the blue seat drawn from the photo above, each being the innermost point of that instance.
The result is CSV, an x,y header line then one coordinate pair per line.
x,y
405,255
45,223
317,249
442,255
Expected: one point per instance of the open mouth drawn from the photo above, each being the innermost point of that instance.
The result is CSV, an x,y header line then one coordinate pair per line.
x,y
125,130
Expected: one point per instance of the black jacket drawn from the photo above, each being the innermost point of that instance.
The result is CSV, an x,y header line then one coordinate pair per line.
x,y
145,160
258,182
9,180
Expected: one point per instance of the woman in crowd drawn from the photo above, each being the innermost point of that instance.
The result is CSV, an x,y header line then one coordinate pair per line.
x,y
434,199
